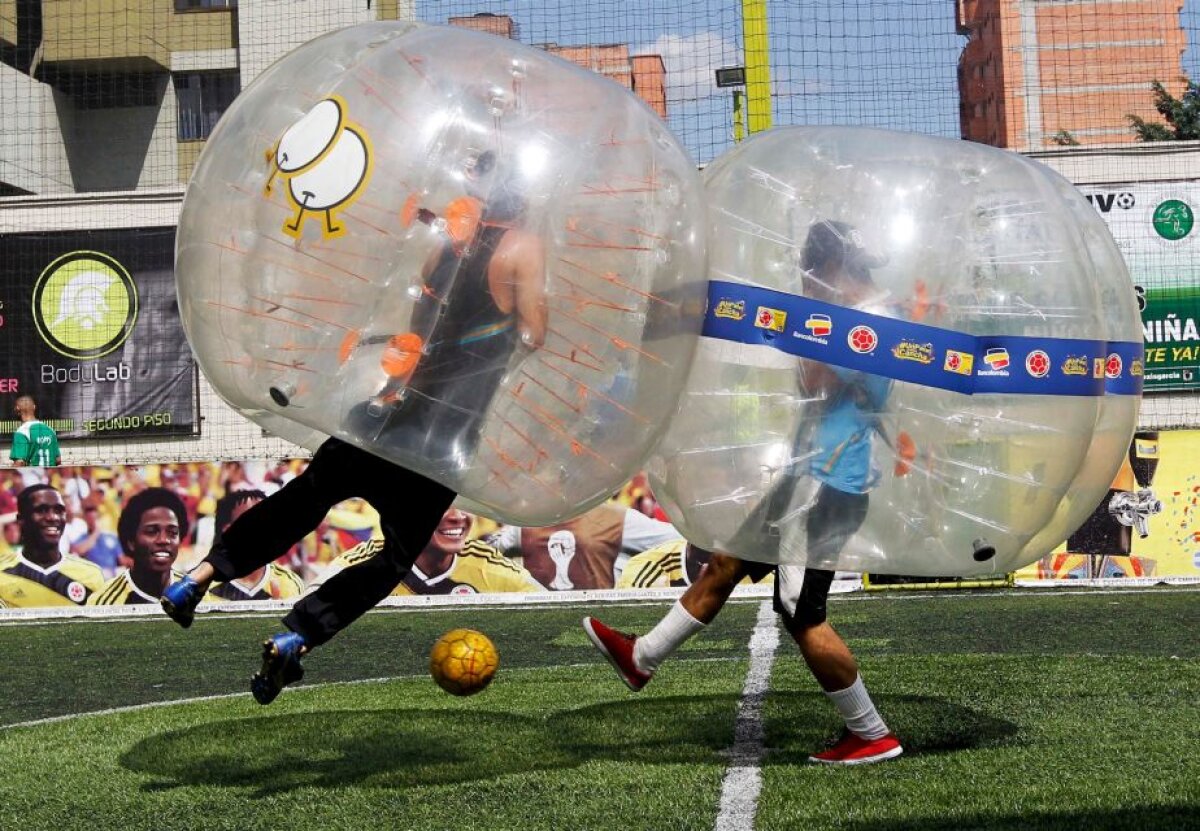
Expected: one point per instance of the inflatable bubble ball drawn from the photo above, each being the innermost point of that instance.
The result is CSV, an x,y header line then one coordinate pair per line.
x,y
457,252
920,357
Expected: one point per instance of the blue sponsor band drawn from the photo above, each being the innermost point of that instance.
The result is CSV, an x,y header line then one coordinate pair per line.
x,y
920,354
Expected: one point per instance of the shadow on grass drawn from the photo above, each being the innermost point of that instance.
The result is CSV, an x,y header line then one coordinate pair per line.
x,y
400,748
1130,817
925,726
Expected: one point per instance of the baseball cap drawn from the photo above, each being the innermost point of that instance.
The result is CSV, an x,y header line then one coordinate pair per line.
x,y
831,241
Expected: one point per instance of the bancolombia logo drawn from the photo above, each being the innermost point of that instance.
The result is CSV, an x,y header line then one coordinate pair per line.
x,y
85,305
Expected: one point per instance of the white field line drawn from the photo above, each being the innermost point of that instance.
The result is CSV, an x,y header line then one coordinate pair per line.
x,y
743,778
253,609
152,705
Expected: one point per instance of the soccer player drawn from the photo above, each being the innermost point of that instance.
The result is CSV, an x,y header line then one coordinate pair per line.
x,y
35,444
40,575
449,564
270,582
502,273
836,268
150,529
483,292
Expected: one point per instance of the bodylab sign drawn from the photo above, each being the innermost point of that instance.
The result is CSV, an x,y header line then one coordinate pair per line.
x,y
89,326
1157,226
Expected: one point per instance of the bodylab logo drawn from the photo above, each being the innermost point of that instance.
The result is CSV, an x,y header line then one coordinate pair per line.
x,y
84,305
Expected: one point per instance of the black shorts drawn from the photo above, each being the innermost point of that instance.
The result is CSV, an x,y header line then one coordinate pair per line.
x,y
801,594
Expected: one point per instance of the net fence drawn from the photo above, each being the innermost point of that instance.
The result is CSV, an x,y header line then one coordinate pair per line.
x,y
105,106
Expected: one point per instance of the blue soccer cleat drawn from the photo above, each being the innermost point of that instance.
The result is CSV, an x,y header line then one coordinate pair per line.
x,y
280,667
180,599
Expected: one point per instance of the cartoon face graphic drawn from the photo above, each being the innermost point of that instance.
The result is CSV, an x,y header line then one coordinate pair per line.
x,y
325,161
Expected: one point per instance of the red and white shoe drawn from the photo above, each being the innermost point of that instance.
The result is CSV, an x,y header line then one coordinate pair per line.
x,y
618,648
854,750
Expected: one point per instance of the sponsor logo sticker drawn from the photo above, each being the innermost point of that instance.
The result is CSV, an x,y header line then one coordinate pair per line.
x,y
732,309
862,339
819,325
770,319
1075,365
997,358
1037,363
960,363
907,350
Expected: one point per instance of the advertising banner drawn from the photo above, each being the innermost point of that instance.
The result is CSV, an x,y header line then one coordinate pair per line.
x,y
96,558
1155,225
90,328
1170,551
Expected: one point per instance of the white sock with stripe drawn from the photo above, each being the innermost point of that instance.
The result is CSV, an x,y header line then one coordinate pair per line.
x,y
856,707
657,645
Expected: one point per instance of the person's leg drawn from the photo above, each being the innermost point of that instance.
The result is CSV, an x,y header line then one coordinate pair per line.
x,y
635,659
801,600
410,507
693,611
268,529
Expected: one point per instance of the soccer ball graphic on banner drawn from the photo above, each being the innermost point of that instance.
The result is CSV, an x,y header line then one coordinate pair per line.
x,y
463,661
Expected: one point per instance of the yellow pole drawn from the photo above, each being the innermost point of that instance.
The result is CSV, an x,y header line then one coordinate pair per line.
x,y
758,64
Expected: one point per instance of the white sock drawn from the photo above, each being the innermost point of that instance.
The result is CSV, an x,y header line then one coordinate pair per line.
x,y
862,719
657,645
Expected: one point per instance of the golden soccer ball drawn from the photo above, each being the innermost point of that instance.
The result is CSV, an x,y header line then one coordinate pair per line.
x,y
463,661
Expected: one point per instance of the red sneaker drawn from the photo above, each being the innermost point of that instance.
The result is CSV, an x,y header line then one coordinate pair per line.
x,y
854,750
618,648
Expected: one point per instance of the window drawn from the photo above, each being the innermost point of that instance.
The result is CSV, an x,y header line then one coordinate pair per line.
x,y
203,97
190,5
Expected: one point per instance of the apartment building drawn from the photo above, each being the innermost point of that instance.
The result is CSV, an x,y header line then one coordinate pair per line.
x,y
1038,73
120,95
644,75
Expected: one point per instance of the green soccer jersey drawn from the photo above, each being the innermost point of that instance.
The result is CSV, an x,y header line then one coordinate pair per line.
x,y
35,444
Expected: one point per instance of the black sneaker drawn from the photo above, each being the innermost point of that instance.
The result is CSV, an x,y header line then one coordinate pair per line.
x,y
280,667
180,599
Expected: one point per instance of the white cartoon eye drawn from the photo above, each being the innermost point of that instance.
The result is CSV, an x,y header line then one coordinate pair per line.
x,y
308,138
335,178
83,299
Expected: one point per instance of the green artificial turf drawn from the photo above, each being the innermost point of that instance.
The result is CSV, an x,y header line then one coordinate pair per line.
x,y
1017,709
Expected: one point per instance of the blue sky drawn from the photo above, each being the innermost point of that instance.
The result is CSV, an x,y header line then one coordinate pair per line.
x,y
886,63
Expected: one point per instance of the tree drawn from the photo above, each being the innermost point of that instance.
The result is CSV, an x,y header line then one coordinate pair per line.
x,y
1064,138
1182,115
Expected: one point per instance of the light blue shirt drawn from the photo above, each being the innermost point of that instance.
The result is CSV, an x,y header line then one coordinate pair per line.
x,y
842,443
